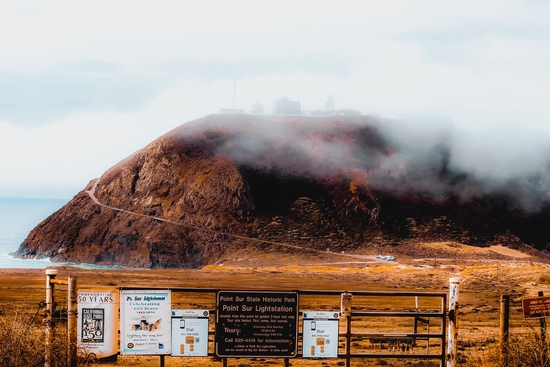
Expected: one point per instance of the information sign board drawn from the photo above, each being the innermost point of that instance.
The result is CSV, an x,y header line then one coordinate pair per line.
x,y
190,333
320,334
536,307
256,324
98,321
145,318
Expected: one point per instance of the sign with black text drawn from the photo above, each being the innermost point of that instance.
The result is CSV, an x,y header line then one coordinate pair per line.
x,y
98,321
145,322
190,333
256,324
320,334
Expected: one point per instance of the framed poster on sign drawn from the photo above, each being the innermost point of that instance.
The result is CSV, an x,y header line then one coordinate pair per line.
x,y
98,321
256,324
190,333
320,334
145,322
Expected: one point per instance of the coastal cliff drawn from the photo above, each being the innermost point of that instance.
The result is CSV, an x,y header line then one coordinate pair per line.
x,y
294,183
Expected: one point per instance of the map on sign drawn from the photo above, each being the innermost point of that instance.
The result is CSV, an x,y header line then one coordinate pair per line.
x,y
536,307
256,324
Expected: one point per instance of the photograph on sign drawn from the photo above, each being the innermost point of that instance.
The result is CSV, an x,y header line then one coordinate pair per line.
x,y
145,322
320,334
98,322
190,333
256,324
93,320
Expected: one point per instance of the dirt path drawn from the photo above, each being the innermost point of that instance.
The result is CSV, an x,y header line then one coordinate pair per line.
x,y
508,252
369,258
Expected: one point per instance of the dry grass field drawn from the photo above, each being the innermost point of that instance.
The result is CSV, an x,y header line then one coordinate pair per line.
x,y
485,275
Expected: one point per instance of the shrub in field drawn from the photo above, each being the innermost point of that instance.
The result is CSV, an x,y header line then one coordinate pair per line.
x,y
525,349
528,349
23,342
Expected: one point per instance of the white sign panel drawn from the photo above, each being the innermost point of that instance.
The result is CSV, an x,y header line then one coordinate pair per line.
x,y
98,322
320,334
190,333
145,318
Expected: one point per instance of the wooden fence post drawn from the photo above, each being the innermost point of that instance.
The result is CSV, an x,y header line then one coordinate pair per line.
x,y
504,328
345,310
50,306
72,321
453,325
543,337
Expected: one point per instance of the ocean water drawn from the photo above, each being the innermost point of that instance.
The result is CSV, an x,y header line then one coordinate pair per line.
x,y
17,218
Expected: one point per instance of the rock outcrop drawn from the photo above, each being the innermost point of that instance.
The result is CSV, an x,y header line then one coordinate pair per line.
x,y
227,181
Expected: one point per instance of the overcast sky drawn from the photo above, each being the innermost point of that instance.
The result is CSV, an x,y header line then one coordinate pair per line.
x,y
85,84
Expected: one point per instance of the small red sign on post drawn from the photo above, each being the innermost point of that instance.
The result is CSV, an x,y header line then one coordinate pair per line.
x,y
536,307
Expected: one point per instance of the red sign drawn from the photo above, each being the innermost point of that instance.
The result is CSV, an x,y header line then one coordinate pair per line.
x,y
536,307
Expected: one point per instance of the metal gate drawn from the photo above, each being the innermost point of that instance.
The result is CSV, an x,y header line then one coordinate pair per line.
x,y
372,324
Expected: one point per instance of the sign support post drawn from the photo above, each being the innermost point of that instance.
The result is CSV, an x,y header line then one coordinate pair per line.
x,y
504,327
543,337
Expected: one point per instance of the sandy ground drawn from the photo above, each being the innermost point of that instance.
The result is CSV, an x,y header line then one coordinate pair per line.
x,y
483,279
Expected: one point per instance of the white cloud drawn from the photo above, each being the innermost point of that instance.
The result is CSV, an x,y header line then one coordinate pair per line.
x,y
477,63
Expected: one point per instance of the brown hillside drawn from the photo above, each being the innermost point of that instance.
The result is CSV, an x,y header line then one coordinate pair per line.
x,y
228,182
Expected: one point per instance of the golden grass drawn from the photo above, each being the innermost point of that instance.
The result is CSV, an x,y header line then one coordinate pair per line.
x,y
481,285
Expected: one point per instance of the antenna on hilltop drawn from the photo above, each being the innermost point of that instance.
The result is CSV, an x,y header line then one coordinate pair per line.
x,y
234,93
329,106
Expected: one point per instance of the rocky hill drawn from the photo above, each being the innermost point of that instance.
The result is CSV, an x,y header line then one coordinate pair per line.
x,y
276,183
